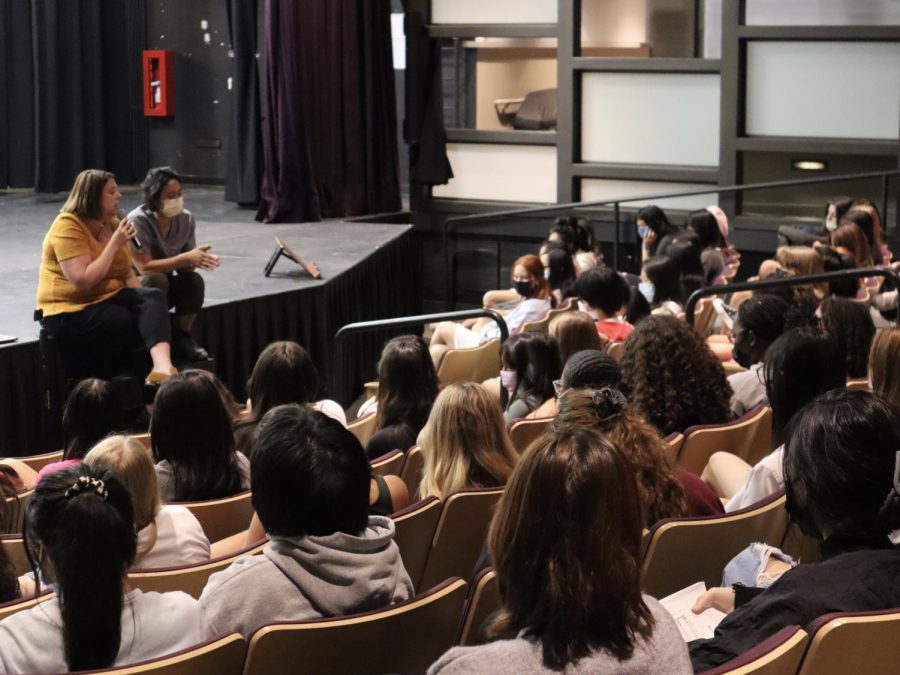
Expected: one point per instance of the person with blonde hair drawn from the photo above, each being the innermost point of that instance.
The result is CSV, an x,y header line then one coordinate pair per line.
x,y
166,535
884,366
464,443
803,261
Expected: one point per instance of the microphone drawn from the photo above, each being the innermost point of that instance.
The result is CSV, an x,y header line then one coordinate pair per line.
x,y
120,214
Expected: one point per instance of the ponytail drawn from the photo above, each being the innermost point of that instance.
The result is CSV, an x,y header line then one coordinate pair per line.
x,y
81,522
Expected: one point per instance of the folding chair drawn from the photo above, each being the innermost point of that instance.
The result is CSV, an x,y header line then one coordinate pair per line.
x,y
414,530
221,518
389,464
683,551
459,535
749,437
484,600
405,638
853,642
523,432
411,473
223,655
779,654
470,365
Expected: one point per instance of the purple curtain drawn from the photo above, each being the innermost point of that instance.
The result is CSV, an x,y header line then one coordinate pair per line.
x,y
330,121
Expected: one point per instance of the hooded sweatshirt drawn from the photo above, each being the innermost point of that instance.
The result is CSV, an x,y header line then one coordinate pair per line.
x,y
301,578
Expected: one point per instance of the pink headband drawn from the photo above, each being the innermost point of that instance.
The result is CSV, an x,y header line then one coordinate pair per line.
x,y
721,219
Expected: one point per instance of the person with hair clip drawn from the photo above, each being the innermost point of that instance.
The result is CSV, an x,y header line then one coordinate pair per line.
x,y
168,535
566,547
166,254
79,536
464,444
88,293
842,479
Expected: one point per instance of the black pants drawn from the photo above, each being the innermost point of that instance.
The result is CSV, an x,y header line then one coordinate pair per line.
x,y
184,291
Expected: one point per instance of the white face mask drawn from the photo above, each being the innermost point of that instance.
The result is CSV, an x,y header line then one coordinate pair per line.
x,y
172,207
509,380
830,224
648,290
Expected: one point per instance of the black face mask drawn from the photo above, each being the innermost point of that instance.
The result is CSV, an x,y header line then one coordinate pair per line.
x,y
523,288
741,352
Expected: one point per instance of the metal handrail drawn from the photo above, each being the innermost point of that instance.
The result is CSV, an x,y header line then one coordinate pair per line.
x,y
421,320
452,222
782,282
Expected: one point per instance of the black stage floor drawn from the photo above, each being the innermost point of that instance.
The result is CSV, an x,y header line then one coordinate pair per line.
x,y
367,269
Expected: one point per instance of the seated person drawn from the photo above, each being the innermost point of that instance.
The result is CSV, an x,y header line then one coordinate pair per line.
x,y
168,254
79,531
606,294
88,294
529,365
839,466
168,535
328,556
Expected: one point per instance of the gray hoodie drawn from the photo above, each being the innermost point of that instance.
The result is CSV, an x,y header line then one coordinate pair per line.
x,y
302,578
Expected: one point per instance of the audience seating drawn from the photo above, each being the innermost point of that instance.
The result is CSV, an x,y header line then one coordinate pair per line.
x,y
459,536
221,518
14,547
142,438
704,316
415,526
363,428
674,441
749,437
188,578
223,655
390,464
861,384
405,638
614,349
779,654
484,600
7,609
411,473
523,432
15,506
470,365
38,462
853,642
683,551
538,325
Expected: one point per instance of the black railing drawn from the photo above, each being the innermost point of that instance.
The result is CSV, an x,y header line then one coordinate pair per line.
x,y
783,282
420,320
560,209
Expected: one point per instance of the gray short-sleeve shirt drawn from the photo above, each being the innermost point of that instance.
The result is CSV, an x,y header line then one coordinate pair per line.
x,y
179,239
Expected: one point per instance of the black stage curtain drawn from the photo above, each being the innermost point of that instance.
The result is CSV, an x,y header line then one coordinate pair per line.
x,y
245,134
423,127
330,134
71,84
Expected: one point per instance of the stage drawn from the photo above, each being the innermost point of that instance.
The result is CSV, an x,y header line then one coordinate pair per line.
x,y
368,272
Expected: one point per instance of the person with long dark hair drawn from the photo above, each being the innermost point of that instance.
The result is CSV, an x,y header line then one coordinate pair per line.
x,y
566,546
839,467
79,535
193,442
88,294
652,227
850,324
530,363
168,255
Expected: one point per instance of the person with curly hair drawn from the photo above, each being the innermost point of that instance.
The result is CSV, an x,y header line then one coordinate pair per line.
x,y
850,324
674,378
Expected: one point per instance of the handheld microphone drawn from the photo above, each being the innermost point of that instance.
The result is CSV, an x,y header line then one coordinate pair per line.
x,y
120,214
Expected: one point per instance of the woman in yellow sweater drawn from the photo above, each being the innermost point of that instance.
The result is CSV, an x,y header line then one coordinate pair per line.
x,y
88,293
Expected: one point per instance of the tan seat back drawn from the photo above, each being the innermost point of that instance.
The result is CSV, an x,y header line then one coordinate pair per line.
x,y
363,428
614,349
747,437
460,535
388,465
38,462
188,578
406,638
853,643
470,365
220,656
411,474
683,551
15,508
779,654
523,432
415,526
221,518
673,442
484,600
7,609
14,547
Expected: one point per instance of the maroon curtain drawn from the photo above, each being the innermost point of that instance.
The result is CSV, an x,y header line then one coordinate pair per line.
x,y
330,118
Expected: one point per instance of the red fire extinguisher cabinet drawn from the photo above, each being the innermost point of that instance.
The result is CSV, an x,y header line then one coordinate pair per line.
x,y
159,82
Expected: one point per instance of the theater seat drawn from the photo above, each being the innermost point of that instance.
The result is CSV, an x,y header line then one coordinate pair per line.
x,y
853,642
779,654
223,655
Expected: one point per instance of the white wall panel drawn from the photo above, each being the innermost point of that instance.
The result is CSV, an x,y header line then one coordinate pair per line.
x,y
651,118
823,13
493,11
596,189
513,173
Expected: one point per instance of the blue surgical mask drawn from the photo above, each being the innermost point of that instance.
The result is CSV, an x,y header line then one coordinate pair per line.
x,y
509,379
642,231
648,290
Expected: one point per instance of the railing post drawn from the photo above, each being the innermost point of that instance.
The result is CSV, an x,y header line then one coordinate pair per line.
x,y
616,236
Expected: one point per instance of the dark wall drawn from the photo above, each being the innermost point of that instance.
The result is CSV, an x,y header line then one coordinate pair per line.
x,y
193,140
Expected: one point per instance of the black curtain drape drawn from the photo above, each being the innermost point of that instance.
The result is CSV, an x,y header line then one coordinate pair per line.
x,y
245,134
330,130
72,91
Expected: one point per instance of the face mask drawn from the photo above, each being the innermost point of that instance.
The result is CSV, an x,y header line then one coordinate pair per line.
x,y
830,224
509,379
172,207
741,355
648,290
642,231
523,288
